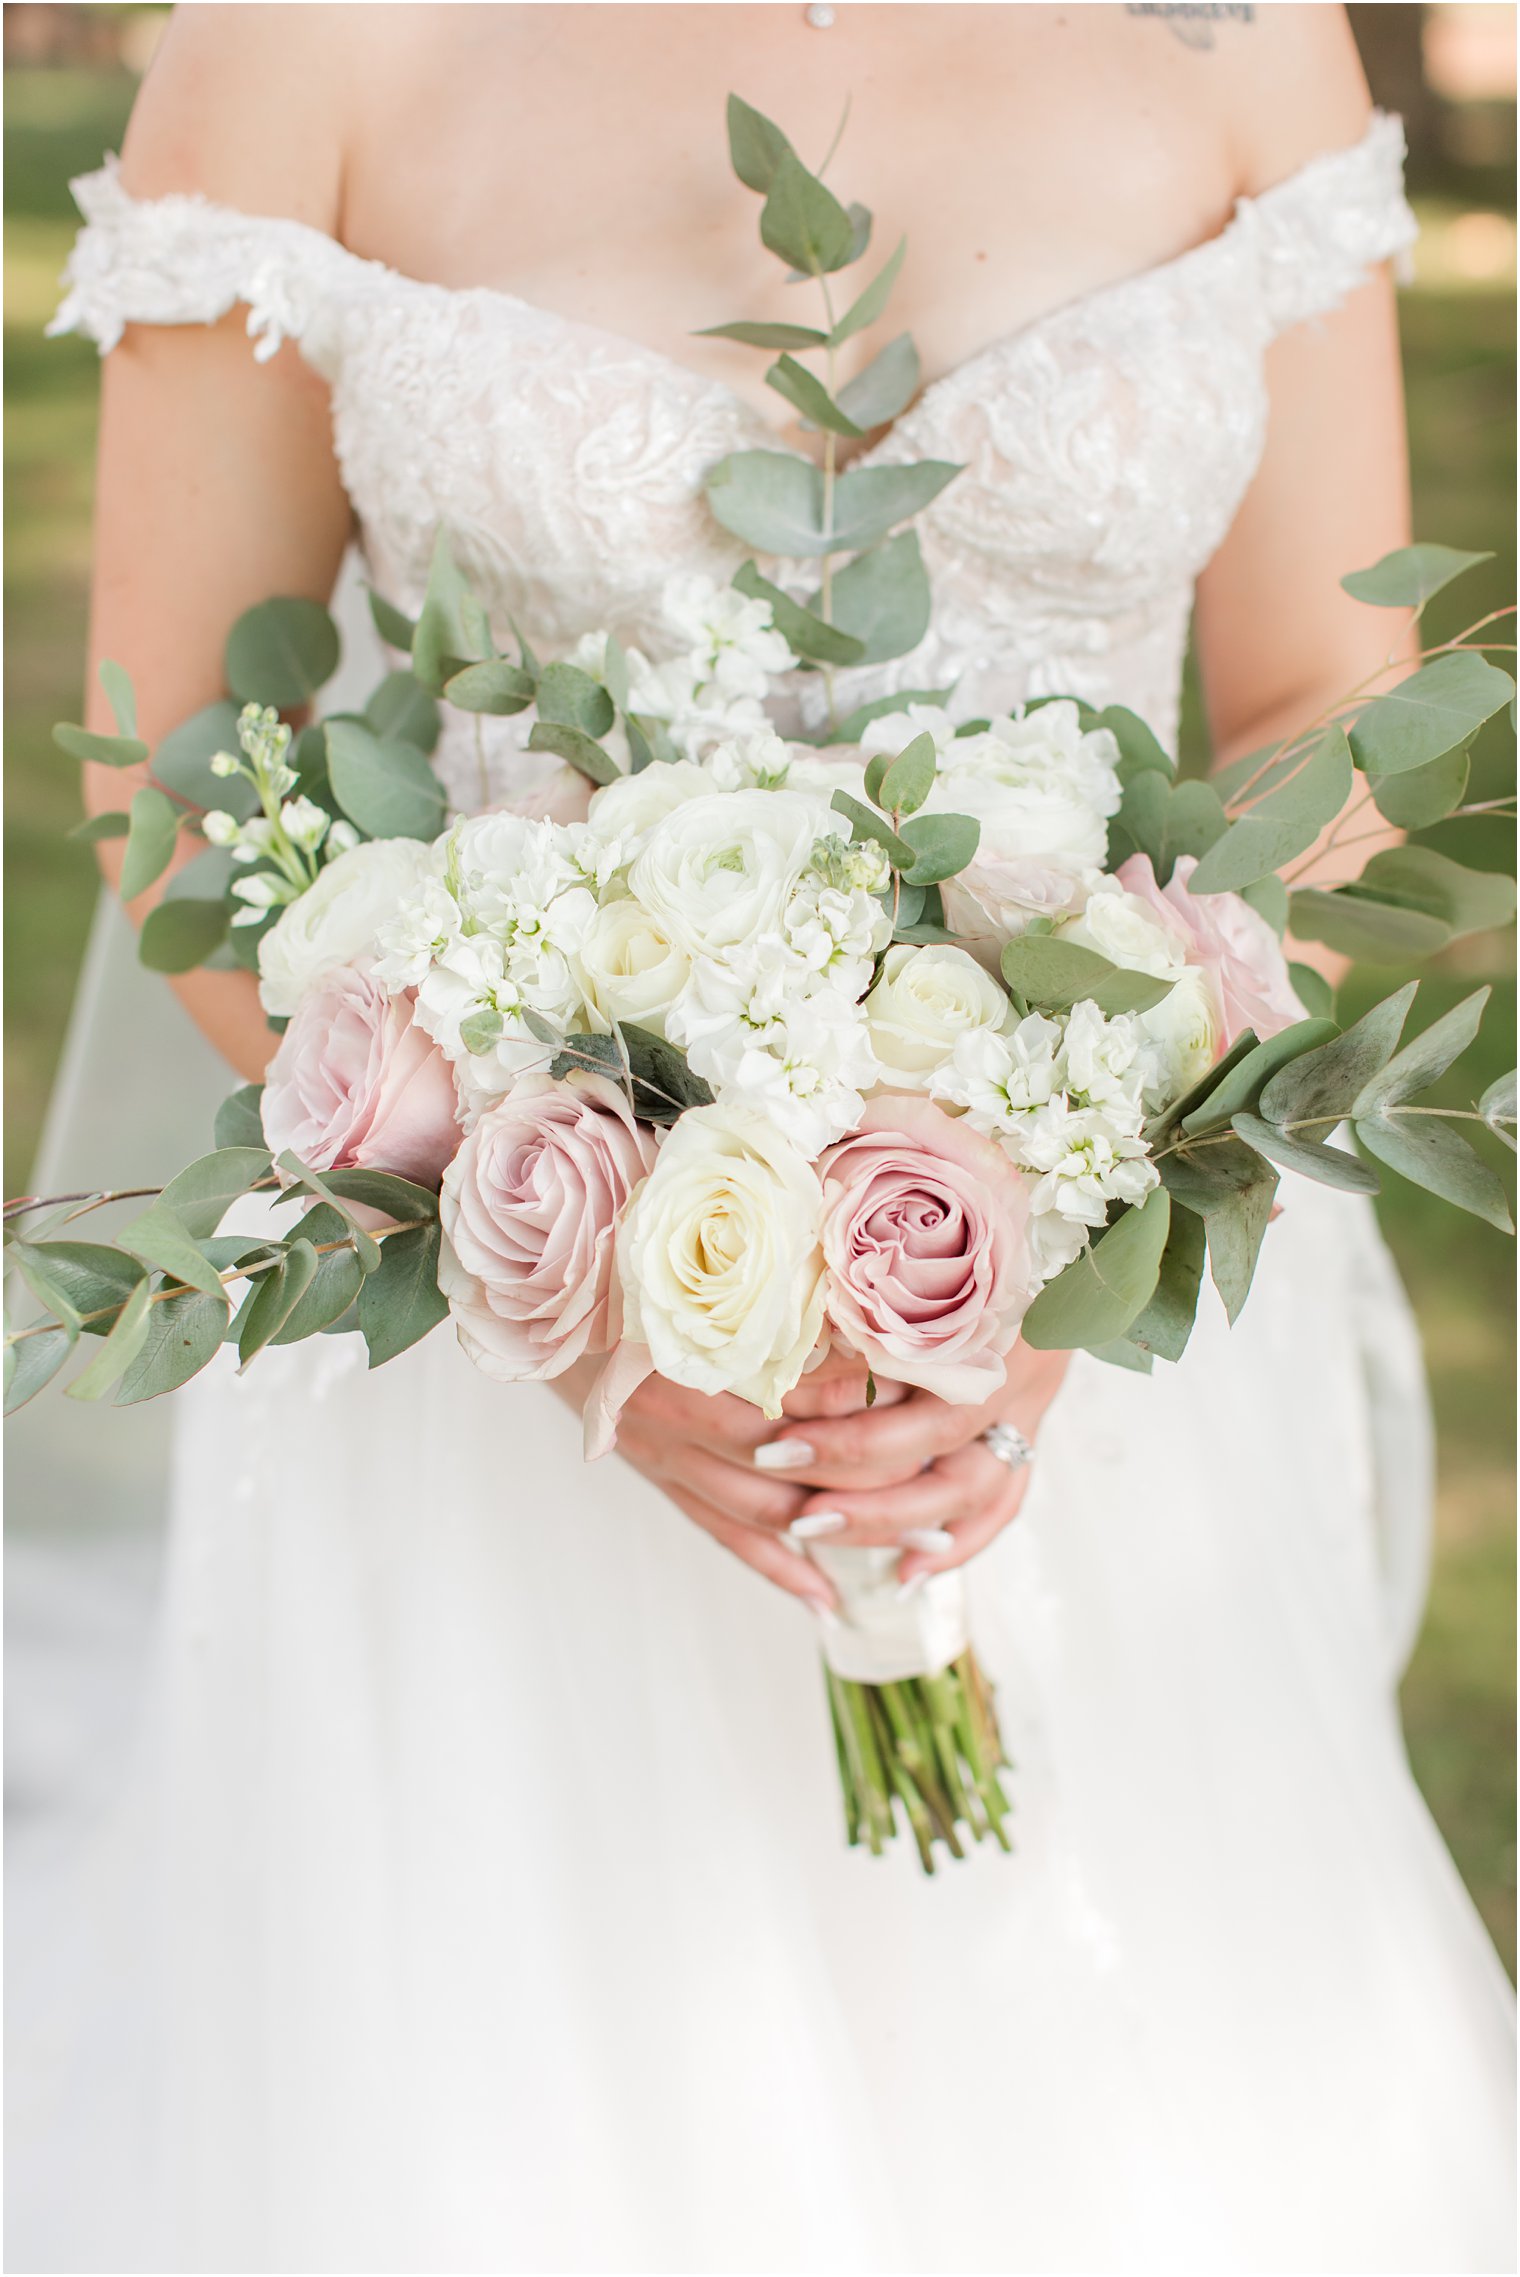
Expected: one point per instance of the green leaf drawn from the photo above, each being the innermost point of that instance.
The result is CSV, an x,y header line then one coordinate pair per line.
x,y
577,750
870,501
755,147
1232,1190
1315,1159
333,1287
803,221
1497,1107
1418,878
119,696
649,741
867,308
273,1299
182,762
1139,751
1328,1081
180,934
1241,1082
395,628
615,671
1371,931
1269,898
31,1363
860,231
882,600
99,750
365,1245
398,1197
281,652
96,827
1426,794
239,1120
402,708
864,824
886,387
453,629
400,1301
1170,1117
1166,1323
853,727
159,1238
496,687
77,1278
663,1083
203,1192
1429,714
1053,975
808,395
151,839
804,633
942,846
1431,1154
765,335
386,787
1421,1062
772,500
1313,991
1123,1354
1284,819
1408,577
1098,1297
118,1351
909,778
184,1333
568,697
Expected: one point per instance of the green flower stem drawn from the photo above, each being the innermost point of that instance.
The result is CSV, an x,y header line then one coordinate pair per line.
x,y
929,1744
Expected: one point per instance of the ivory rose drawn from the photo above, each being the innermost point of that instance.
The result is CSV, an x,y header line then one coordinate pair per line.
x,y
925,1235
923,1001
337,918
1230,941
356,1084
629,966
530,1209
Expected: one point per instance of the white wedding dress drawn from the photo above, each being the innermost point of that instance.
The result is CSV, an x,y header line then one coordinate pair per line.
x,y
478,1898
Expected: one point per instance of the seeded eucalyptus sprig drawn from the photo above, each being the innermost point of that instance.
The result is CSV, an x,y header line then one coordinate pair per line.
x,y
875,606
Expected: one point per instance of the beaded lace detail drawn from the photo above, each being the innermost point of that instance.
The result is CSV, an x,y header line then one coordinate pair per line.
x,y
1105,446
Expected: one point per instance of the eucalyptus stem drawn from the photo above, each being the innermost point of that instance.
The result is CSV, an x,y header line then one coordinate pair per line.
x,y
929,1744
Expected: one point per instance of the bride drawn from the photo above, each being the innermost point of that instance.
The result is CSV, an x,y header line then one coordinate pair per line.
x,y
478,1901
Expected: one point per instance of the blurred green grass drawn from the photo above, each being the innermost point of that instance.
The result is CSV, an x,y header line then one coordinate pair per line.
x,y
1459,1697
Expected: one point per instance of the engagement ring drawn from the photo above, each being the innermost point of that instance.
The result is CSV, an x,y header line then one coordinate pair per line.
x,y
1009,1444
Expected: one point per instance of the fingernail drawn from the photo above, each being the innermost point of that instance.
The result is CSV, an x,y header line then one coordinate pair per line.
x,y
784,1455
819,1522
912,1586
928,1538
798,1549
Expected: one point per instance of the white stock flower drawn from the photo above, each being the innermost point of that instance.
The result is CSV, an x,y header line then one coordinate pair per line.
x,y
304,823
220,828
804,1060
719,1257
719,872
425,926
630,968
924,1001
759,762
338,918
731,640
473,1008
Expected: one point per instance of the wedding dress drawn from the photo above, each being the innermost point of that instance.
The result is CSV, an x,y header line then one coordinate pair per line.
x,y
479,1899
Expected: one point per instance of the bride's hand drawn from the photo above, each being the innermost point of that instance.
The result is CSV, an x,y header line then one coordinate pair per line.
x,y
913,1470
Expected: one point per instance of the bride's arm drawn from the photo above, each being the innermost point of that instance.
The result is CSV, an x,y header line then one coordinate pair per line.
x,y
216,485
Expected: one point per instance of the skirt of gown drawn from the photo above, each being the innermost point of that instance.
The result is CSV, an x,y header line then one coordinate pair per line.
x,y
479,1898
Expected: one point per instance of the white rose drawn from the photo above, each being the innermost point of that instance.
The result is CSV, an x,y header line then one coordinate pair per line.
x,y
923,1002
894,731
1180,1038
628,809
337,919
719,871
1041,849
630,967
1128,931
720,1260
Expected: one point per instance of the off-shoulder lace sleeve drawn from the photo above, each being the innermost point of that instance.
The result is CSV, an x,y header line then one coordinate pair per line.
x,y
182,260
1321,231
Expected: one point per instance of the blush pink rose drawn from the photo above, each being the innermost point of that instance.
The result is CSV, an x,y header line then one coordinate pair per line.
x,y
531,1205
925,1237
355,1085
1229,941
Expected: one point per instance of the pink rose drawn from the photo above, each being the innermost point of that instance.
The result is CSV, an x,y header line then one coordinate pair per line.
x,y
531,1205
1227,939
355,1085
925,1240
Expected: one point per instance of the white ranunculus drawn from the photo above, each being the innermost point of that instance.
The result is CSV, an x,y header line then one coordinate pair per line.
x,y
1041,851
1046,745
1128,931
338,918
925,1000
720,871
630,967
1180,1038
719,1257
802,1059
894,731
628,809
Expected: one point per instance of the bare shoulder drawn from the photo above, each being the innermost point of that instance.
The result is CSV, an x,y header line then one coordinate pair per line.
x,y
1294,87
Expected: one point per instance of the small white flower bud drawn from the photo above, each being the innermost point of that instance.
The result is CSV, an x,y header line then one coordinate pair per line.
x,y
219,828
225,763
303,823
341,839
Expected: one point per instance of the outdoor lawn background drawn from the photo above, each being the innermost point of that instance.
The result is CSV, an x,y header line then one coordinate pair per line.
x,y
1458,317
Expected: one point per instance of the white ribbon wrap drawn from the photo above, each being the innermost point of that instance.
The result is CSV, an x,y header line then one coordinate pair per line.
x,y
882,1636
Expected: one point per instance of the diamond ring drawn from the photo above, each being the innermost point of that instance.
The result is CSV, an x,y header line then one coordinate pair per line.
x,y
1009,1444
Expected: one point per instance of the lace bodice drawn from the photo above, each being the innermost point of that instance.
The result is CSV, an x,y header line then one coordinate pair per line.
x,y
1106,445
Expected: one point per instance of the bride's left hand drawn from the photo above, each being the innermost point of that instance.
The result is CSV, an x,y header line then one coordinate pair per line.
x,y
917,1466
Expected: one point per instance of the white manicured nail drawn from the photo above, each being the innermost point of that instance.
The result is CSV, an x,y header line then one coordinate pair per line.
x,y
928,1538
820,1522
784,1455
798,1549
911,1588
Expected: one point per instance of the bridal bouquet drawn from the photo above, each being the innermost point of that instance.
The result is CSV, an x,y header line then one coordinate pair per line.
x,y
913,1037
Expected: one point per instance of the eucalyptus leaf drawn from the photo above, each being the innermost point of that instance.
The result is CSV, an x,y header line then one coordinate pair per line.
x,y
664,1084
1053,975
942,846
239,1119
387,788
803,221
1424,795
118,689
1122,1353
78,1278
1170,1117
281,653
118,1350
568,697
869,501
1283,820
1423,1061
99,750
772,500
32,1362
1313,991
152,835
203,1192
453,629
755,146
178,935
1497,1107
98,827
183,1334
1314,1158
1240,1083
885,387
1328,1081
159,1238
1139,751
807,394
1166,1323
614,674
1431,1154
395,628
1418,878
909,778
865,824
1269,898
765,335
401,707
400,1198
882,599
334,1285
1232,1189
497,687
182,762
1361,927
366,1247
576,749
861,222
868,307
1429,714
805,634
273,1299
401,1300
1408,577
308,756
1099,1296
